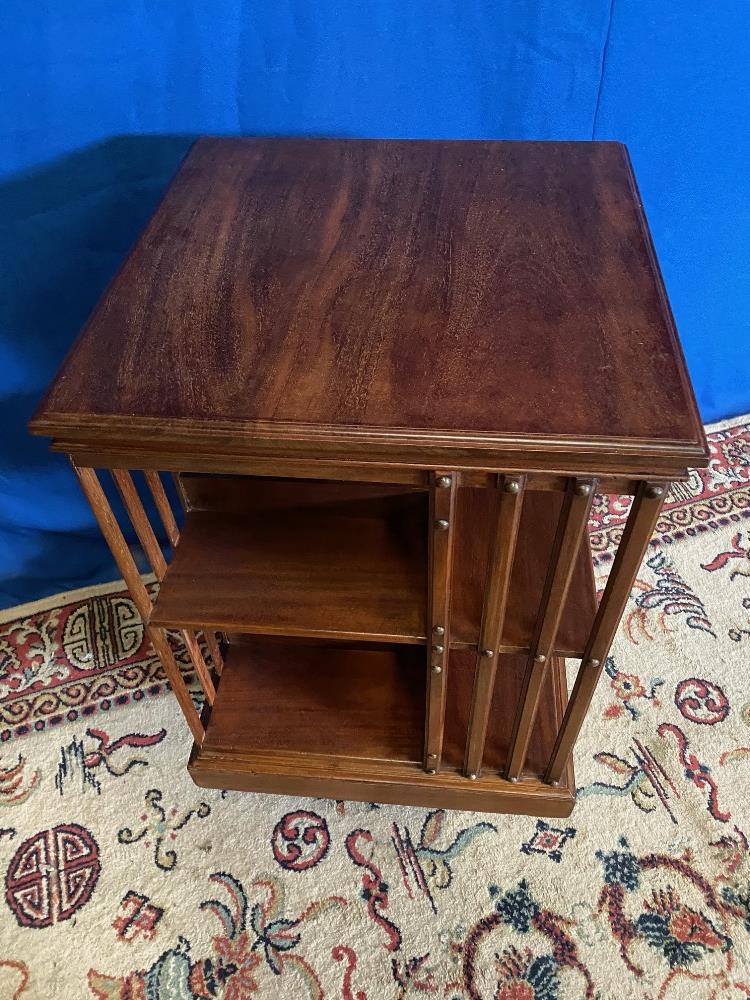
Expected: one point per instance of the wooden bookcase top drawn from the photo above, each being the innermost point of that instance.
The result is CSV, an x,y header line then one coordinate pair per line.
x,y
384,298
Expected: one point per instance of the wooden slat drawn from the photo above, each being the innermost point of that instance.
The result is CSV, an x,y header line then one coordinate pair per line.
x,y
493,618
201,668
443,488
126,564
163,505
571,527
635,538
140,520
215,649
476,517
160,643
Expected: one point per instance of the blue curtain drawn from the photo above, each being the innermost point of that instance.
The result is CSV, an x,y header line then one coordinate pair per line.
x,y
100,102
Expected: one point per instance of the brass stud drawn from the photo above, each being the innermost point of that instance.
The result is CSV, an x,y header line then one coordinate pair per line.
x,y
432,756
439,630
437,648
592,663
437,669
472,777
489,653
513,779
540,658
512,486
555,784
443,482
442,524
583,489
431,770
653,492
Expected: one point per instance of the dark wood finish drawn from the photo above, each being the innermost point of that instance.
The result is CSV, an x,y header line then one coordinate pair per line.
x,y
365,293
441,532
353,779
502,700
140,521
334,320
547,469
539,517
633,544
320,700
111,530
574,518
356,568
298,718
267,495
502,553
318,575
163,506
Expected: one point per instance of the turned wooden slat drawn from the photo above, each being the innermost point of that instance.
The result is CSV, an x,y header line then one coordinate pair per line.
x,y
572,524
163,505
141,523
126,564
493,617
635,538
215,649
443,488
201,667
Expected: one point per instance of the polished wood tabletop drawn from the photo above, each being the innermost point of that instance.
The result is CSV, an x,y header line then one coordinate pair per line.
x,y
388,294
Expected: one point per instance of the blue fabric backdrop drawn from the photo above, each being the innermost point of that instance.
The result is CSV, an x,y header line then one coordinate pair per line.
x,y
100,101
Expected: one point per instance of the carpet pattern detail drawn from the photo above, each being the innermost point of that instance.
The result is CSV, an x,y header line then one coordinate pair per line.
x,y
121,880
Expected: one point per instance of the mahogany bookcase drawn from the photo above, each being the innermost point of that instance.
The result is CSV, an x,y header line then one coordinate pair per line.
x,y
389,378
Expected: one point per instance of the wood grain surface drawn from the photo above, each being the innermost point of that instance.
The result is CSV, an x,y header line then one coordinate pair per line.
x,y
386,291
329,560
308,573
317,720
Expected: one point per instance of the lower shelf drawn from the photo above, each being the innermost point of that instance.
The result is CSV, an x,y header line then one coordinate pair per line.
x,y
348,723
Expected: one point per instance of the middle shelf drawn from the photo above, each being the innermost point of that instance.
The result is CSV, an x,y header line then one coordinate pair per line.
x,y
355,569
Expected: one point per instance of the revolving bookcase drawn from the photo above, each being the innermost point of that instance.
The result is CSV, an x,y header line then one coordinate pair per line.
x,y
388,379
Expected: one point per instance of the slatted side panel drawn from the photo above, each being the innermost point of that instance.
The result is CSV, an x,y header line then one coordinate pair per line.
x,y
201,667
163,505
215,651
510,499
638,531
126,564
571,527
443,488
140,521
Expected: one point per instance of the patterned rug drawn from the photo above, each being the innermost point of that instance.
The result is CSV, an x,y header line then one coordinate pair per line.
x,y
124,881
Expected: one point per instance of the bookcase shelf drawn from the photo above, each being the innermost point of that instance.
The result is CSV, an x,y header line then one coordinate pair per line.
x,y
324,714
324,562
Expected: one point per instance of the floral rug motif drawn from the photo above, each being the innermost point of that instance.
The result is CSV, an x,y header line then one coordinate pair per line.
x,y
121,880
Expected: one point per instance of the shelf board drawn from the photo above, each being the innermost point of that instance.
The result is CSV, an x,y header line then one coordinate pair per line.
x,y
305,572
309,719
319,699
349,562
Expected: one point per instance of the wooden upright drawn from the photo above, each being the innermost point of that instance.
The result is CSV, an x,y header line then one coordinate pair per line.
x,y
390,377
